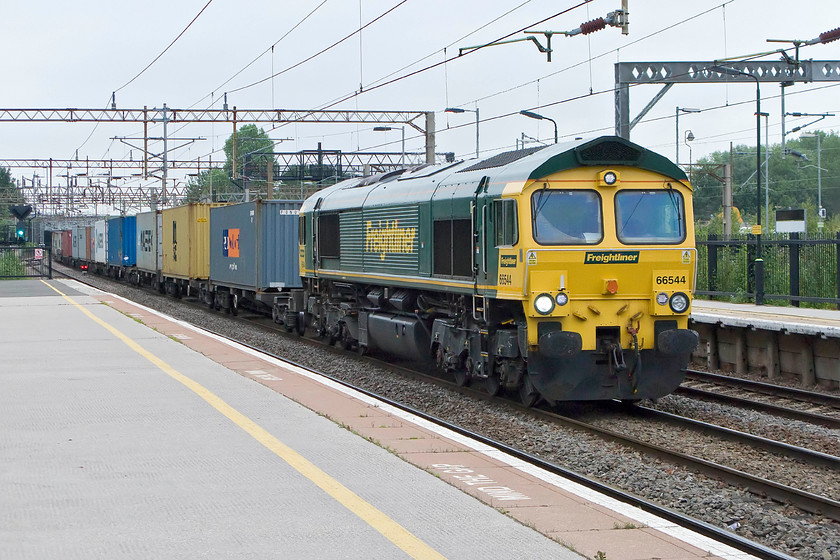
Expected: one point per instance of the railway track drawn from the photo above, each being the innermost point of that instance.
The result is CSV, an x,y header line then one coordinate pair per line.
x,y
764,487
796,404
776,491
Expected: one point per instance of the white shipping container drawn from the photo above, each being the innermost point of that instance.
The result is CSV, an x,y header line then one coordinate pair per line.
x,y
101,237
79,249
149,255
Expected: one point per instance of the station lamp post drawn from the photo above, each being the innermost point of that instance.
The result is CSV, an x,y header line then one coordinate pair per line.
x,y
677,133
759,262
386,129
540,117
689,137
459,110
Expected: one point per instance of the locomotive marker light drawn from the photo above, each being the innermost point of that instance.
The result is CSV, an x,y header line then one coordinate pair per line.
x,y
608,179
539,118
679,302
562,299
544,304
662,298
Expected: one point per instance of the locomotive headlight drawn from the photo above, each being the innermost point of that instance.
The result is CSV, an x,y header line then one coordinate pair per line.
x,y
562,299
679,302
610,177
544,304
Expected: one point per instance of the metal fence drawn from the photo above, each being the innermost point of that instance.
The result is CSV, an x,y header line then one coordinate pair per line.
x,y
795,269
25,262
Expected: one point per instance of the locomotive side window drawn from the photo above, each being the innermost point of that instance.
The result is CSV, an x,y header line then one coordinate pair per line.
x,y
301,230
329,236
567,217
507,228
649,216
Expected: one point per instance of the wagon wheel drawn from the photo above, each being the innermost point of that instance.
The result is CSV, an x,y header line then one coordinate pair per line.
x,y
528,394
234,305
493,385
300,325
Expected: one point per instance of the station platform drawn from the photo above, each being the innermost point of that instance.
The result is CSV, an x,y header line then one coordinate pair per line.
x,y
129,434
796,344
793,320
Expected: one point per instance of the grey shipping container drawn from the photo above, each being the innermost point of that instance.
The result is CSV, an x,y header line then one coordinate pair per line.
x,y
149,254
254,245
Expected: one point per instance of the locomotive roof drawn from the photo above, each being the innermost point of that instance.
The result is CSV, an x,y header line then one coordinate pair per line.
x,y
515,166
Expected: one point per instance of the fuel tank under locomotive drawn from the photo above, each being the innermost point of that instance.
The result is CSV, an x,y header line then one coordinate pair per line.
x,y
398,335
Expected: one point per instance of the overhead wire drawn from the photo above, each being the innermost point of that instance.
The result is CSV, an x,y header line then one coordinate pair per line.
x,y
322,51
374,86
167,47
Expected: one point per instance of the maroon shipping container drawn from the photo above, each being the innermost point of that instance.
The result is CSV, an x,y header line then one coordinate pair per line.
x,y
67,245
89,244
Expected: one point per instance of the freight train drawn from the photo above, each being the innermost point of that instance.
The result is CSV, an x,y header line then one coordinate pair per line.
x,y
559,273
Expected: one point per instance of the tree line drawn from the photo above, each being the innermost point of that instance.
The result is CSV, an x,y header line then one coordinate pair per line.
x,y
792,183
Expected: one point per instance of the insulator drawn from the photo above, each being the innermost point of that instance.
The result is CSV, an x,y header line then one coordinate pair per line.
x,y
594,25
830,36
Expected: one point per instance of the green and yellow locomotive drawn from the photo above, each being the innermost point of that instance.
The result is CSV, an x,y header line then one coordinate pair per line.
x,y
563,272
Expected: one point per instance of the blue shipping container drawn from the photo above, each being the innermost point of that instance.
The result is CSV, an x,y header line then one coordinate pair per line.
x,y
122,241
254,245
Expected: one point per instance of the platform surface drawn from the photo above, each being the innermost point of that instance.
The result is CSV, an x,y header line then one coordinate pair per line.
x,y
128,434
798,320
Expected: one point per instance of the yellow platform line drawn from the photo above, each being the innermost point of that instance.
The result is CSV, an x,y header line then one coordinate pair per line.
x,y
389,528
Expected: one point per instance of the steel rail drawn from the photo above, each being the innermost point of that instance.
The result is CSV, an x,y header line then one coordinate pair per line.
x,y
777,410
794,451
766,388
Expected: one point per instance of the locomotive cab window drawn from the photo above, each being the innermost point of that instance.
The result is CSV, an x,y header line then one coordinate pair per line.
x,y
504,218
563,217
649,216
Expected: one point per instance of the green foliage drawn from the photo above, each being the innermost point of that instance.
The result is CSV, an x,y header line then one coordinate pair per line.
x,y
213,181
252,148
9,192
793,182
10,264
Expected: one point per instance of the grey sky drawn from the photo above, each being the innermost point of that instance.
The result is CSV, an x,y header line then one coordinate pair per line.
x,y
75,54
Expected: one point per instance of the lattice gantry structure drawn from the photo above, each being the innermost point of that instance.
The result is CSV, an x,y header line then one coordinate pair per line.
x,y
89,183
667,74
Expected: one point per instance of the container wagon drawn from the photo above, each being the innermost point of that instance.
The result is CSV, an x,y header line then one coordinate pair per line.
x,y
148,250
122,246
253,261
185,247
100,252
67,247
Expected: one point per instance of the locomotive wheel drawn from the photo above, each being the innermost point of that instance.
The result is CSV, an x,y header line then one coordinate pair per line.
x,y
300,326
234,305
527,393
493,385
461,375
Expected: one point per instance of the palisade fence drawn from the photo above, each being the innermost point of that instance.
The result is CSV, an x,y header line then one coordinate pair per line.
x,y
25,262
796,268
